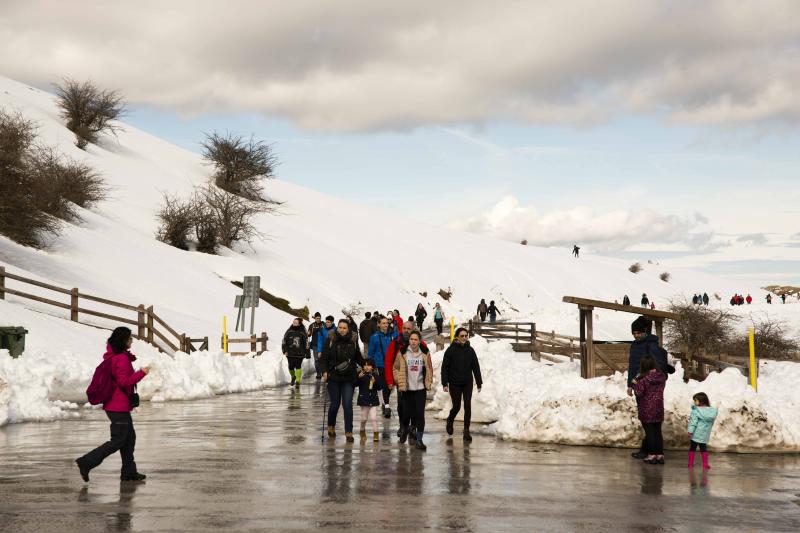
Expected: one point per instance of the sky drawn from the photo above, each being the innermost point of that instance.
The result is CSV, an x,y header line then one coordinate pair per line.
x,y
652,130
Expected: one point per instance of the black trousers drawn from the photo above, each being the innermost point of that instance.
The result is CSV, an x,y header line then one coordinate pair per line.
x,y
693,446
414,408
456,393
655,441
123,439
295,363
439,324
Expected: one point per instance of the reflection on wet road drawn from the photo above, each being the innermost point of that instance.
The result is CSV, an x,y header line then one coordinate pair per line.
x,y
256,462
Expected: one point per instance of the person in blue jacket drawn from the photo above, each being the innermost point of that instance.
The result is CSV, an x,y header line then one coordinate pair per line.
x,y
322,336
645,343
378,344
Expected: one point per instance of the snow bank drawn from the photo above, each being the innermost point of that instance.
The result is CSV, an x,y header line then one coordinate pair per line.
x,y
49,380
526,400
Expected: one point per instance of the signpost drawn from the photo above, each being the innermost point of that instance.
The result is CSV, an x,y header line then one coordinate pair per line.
x,y
250,298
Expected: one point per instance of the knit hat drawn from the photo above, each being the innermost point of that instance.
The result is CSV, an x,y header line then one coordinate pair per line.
x,y
641,324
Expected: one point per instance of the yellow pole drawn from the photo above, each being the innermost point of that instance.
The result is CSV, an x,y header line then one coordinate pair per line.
x,y
753,368
225,333
452,329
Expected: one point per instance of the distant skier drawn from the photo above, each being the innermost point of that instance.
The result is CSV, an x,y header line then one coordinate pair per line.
x,y
493,312
420,315
295,349
576,250
482,310
626,300
645,300
705,298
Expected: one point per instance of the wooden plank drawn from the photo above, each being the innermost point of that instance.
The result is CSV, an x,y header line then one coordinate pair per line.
x,y
109,302
37,283
36,298
582,315
2,282
166,340
618,307
73,305
107,316
598,351
590,361
165,325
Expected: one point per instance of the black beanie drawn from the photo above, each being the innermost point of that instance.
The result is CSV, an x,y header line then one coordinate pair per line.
x,y
641,324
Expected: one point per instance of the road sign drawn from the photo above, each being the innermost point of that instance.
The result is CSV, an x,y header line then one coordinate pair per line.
x,y
242,302
252,289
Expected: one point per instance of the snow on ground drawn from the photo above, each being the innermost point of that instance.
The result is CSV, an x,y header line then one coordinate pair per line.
x,y
540,402
49,380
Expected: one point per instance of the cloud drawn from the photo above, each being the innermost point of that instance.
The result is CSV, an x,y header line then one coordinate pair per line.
x,y
757,239
356,65
604,231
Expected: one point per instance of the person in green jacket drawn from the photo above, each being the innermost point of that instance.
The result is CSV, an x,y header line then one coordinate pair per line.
x,y
700,423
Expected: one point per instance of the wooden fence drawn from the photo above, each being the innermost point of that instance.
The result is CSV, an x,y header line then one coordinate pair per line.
x,y
144,320
551,346
700,366
253,340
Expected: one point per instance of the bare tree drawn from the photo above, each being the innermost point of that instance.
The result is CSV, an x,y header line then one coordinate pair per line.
x,y
177,218
232,215
635,268
665,277
242,165
772,341
88,109
699,329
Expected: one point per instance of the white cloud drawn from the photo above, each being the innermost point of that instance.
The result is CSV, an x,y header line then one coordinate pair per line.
x,y
609,230
359,64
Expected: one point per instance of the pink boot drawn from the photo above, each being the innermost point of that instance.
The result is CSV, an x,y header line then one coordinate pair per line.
x,y
691,459
704,456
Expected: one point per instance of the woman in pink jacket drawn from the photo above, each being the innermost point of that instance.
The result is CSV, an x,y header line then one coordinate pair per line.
x,y
118,409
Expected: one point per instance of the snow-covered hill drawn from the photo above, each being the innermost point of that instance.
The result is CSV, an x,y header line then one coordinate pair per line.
x,y
323,252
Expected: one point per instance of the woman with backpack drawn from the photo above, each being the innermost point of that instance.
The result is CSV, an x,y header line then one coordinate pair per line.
x,y
412,370
340,357
117,362
295,349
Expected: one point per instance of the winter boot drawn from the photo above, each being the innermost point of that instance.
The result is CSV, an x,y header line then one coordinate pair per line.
x,y
404,434
375,437
412,434
420,445
363,435
691,459
704,457
449,427
331,432
467,436
133,477
349,436
387,412
83,470
294,379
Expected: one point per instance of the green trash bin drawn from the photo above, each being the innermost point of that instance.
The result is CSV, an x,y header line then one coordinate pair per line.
x,y
13,339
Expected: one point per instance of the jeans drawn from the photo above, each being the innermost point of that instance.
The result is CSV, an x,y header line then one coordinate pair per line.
x,y
492,318
414,407
123,439
341,394
318,362
420,321
655,441
456,393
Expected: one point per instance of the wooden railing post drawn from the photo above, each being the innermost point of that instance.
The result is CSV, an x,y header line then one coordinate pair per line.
x,y
73,304
204,346
253,347
140,326
263,341
150,325
2,283
184,347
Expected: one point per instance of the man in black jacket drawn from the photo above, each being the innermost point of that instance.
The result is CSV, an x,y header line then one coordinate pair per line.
x,y
365,331
645,343
313,332
295,349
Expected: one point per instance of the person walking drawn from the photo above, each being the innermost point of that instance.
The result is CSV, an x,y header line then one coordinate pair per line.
x,y
400,343
576,250
700,423
749,299
420,314
694,299
645,300
783,297
626,300
340,358
368,393
314,330
398,321
769,298
322,336
493,312
413,371
365,331
438,319
482,310
295,349
118,409
649,389
459,365
705,298
379,343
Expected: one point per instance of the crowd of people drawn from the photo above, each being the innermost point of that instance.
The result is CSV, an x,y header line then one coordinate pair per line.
x,y
394,357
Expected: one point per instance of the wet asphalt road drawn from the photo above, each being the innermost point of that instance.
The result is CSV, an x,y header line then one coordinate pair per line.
x,y
254,462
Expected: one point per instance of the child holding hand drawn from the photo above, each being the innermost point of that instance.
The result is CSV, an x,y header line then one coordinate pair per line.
x,y
368,388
